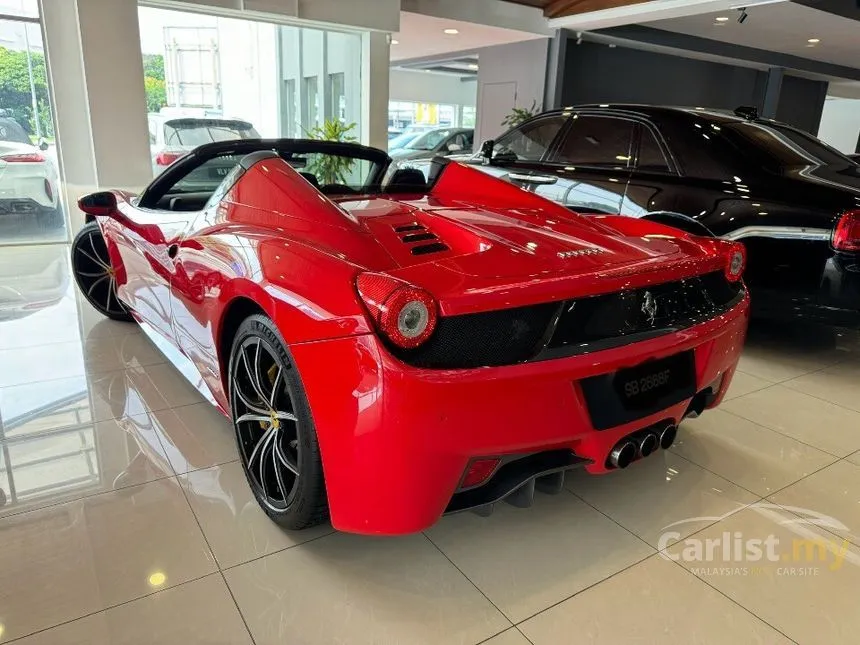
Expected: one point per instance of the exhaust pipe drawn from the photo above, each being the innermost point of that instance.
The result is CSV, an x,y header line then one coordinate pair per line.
x,y
648,444
623,454
667,436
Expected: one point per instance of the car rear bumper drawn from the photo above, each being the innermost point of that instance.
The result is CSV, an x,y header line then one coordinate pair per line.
x,y
836,302
396,440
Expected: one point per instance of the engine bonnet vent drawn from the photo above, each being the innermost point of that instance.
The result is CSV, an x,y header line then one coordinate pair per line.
x,y
420,239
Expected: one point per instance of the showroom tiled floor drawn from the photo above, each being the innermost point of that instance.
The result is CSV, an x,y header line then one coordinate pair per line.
x,y
125,517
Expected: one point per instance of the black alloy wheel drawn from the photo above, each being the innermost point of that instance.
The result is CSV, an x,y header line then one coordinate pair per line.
x,y
94,274
274,429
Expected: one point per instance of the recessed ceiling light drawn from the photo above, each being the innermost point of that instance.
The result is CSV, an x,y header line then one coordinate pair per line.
x,y
452,32
814,41
395,41
722,19
473,66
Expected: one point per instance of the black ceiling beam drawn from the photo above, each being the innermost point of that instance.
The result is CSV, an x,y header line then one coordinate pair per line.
x,y
763,57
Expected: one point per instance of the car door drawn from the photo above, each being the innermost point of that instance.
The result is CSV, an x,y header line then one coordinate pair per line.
x,y
148,239
655,179
591,165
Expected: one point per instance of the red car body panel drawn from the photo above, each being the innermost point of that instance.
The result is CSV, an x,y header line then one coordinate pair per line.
x,y
395,439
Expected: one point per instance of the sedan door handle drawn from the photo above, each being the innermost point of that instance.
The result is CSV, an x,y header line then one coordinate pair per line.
x,y
534,179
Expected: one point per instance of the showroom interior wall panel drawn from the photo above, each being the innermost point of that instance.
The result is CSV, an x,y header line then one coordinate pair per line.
x,y
840,124
597,73
801,102
426,87
510,76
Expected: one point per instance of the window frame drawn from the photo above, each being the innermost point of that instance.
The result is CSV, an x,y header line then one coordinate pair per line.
x,y
634,141
671,163
564,116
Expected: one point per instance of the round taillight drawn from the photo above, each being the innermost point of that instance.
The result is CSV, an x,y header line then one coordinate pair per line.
x,y
405,313
736,260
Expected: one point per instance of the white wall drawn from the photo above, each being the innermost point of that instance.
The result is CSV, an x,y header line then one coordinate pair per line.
x,y
517,71
427,87
840,124
483,12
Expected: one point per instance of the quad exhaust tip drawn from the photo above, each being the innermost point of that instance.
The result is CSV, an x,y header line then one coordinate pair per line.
x,y
648,444
623,454
667,436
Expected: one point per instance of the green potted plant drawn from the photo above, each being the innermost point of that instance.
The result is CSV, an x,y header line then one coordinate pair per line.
x,y
520,115
332,169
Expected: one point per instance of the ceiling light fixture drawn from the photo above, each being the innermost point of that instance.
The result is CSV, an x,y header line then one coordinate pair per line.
x,y
722,19
814,41
395,42
452,32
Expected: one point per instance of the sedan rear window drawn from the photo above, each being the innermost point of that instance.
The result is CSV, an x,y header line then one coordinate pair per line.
x,y
196,132
786,146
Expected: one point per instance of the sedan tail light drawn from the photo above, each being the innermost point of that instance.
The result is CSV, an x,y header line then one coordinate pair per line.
x,y
24,157
167,157
735,254
404,313
846,235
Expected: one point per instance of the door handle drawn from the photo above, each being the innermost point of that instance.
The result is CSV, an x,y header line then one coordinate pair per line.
x,y
172,250
534,179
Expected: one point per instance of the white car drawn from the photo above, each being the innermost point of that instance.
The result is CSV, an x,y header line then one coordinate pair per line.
x,y
29,181
172,137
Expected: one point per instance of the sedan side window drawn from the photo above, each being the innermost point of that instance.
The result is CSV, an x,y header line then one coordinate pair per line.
x,y
531,141
651,157
597,141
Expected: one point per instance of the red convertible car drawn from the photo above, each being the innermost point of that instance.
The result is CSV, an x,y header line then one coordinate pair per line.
x,y
391,350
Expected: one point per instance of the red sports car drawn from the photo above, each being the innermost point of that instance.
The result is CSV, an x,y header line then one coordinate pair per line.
x,y
392,349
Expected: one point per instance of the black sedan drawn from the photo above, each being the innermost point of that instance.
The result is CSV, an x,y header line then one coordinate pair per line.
x,y
793,200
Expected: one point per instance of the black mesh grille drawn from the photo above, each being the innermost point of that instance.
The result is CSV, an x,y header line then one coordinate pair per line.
x,y
478,340
555,330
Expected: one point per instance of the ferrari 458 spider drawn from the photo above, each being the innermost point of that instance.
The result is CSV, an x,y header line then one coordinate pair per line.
x,y
391,349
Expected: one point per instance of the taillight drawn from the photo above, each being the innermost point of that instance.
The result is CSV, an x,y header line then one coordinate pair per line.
x,y
25,157
735,254
846,235
405,313
166,158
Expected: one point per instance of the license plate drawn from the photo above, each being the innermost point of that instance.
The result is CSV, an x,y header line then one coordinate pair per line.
x,y
639,391
220,172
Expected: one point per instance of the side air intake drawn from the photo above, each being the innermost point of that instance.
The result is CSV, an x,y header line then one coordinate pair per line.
x,y
415,235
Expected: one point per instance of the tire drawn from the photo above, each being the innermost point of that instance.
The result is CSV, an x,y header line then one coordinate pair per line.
x,y
275,432
94,274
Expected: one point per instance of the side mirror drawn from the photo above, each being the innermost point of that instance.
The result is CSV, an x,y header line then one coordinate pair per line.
x,y
98,204
487,151
43,145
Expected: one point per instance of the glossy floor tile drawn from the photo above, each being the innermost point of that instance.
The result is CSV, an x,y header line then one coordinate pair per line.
x,y
525,562
759,459
351,589
125,517
813,421
661,491
655,597
237,530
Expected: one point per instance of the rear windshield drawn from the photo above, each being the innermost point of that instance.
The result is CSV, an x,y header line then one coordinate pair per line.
x,y
785,146
196,132
11,131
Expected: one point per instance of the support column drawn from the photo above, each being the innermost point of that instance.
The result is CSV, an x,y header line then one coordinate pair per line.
x,y
772,89
555,63
375,63
96,74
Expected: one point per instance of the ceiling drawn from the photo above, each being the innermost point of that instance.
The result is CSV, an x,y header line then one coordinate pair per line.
x,y
422,36
558,8
783,27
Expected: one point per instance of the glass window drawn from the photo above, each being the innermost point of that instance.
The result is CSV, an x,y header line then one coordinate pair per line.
x,y
784,145
206,177
191,133
336,105
20,8
597,141
311,104
530,141
651,157
428,140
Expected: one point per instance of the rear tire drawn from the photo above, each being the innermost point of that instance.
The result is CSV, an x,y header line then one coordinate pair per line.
x,y
275,432
95,275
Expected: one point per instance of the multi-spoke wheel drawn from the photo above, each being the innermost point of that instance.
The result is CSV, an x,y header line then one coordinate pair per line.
x,y
94,274
274,429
